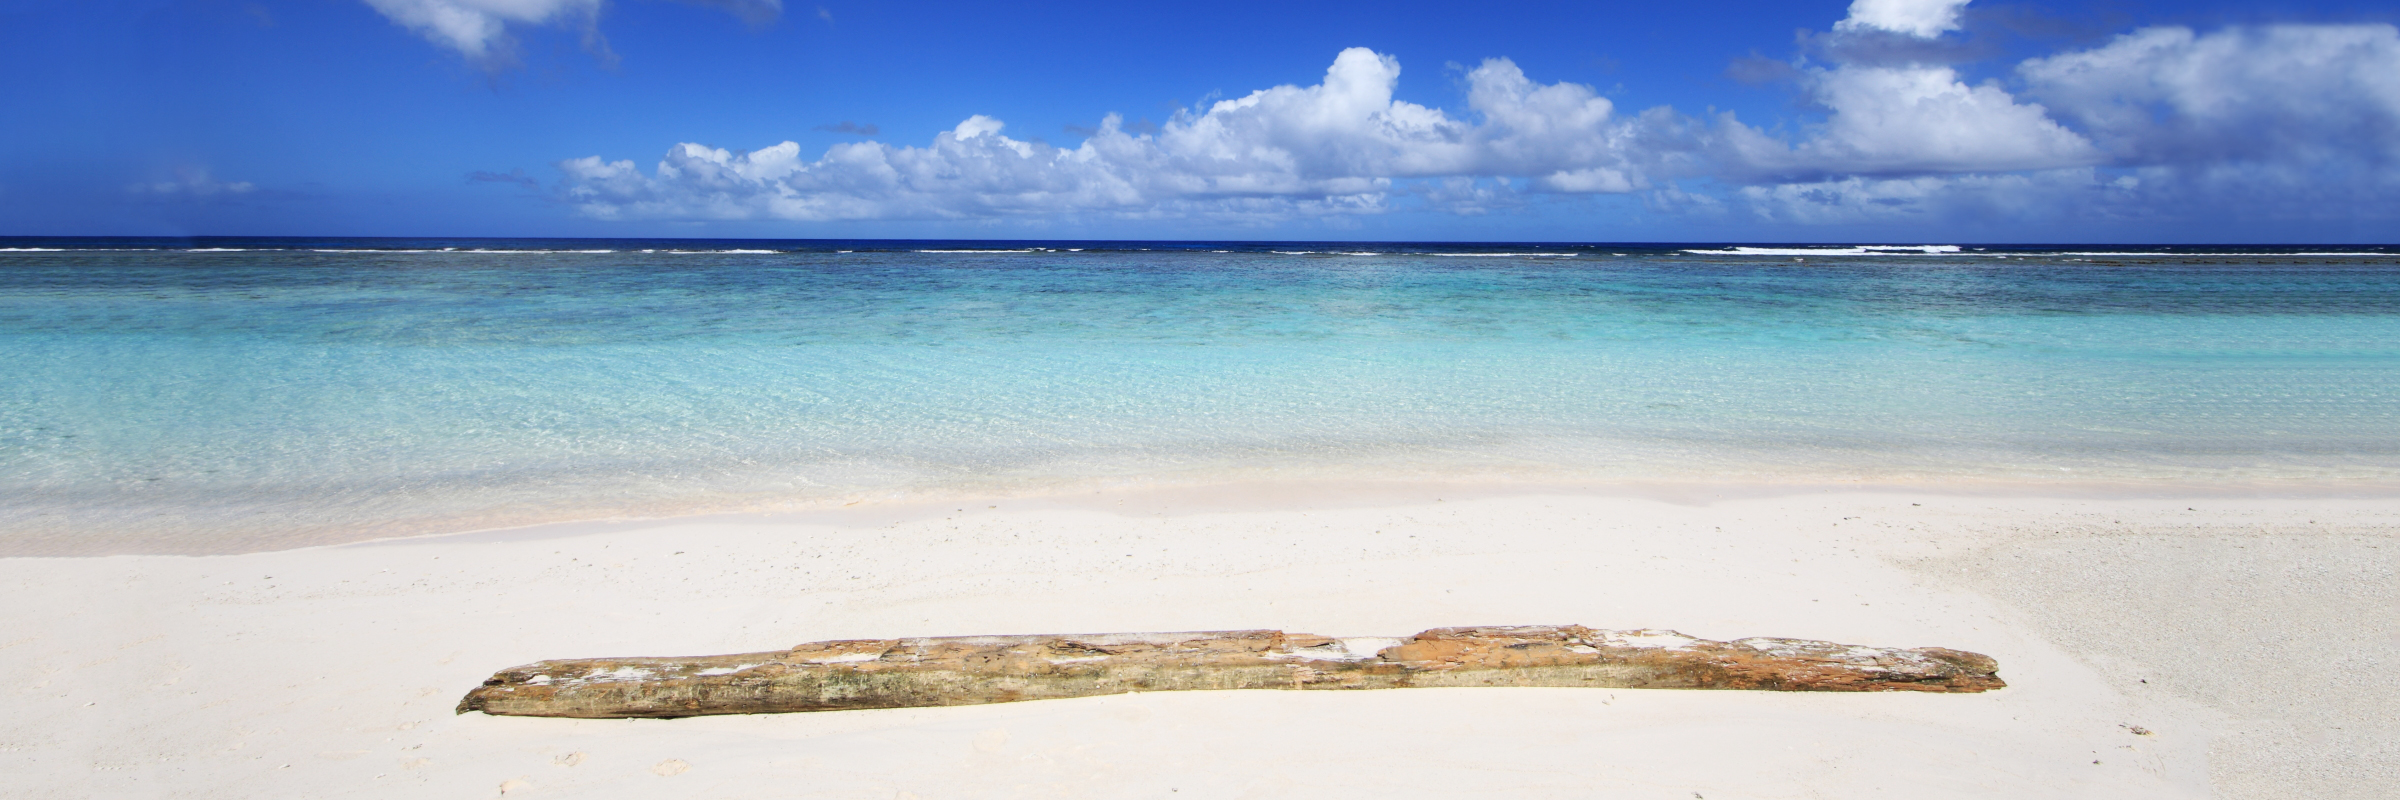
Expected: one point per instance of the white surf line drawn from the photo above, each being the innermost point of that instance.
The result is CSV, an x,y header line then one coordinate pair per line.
x,y
2226,255
529,252
1857,250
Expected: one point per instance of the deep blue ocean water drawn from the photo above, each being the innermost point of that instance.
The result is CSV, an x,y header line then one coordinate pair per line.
x,y
194,395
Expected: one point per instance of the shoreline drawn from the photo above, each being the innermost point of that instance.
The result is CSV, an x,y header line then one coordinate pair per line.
x,y
2240,633
1204,496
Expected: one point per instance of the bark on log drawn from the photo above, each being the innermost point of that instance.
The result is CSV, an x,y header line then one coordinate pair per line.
x,y
972,670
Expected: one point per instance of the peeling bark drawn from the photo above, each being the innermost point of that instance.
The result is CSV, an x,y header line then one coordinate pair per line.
x,y
972,670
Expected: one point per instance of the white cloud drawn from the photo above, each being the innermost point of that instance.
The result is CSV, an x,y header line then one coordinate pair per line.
x,y
2275,122
1891,114
1333,148
2279,92
1919,18
1909,120
479,29
2280,122
2265,123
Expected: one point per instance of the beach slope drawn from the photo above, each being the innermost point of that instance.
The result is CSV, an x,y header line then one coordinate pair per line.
x,y
2152,647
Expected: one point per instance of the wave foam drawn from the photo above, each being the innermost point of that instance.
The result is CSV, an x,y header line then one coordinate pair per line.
x,y
2228,255
526,252
1855,250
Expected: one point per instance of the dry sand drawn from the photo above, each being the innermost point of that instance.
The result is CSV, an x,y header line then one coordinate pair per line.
x,y
2252,639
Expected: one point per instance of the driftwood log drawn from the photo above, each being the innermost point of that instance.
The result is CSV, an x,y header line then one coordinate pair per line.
x,y
972,670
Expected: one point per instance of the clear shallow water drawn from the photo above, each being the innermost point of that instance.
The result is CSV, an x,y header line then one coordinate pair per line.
x,y
201,396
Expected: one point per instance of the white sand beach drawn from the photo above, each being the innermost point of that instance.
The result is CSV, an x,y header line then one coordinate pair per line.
x,y
2155,646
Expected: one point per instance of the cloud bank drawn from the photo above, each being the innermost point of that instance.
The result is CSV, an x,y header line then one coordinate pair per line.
x,y
2280,122
2158,122
1337,147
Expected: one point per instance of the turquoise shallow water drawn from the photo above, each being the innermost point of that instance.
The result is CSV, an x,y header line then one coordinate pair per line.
x,y
272,393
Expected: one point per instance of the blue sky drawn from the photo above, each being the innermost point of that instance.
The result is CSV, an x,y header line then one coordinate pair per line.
x,y
1880,120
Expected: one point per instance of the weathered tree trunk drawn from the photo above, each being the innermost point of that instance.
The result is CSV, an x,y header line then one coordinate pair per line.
x,y
971,670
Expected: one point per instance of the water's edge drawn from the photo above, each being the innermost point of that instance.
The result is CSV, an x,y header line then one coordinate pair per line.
x,y
229,395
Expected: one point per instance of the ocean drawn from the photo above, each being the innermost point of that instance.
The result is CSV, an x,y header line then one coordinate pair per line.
x,y
234,394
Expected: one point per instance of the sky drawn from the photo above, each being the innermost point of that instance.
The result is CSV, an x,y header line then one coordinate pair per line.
x,y
1897,121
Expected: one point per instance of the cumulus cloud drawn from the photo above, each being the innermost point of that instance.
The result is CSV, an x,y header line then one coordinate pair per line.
x,y
1906,120
2287,119
479,30
2281,92
1892,109
1920,18
1336,147
2282,122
